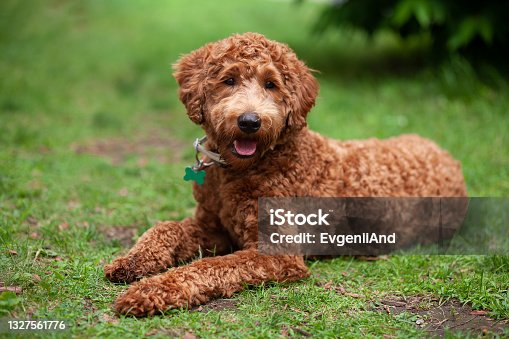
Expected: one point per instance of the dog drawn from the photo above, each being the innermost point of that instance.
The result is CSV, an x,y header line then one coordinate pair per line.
x,y
251,96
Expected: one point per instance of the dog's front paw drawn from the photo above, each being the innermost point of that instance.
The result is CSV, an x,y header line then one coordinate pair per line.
x,y
147,298
122,269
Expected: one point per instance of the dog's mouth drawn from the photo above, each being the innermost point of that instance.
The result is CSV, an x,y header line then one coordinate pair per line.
x,y
244,148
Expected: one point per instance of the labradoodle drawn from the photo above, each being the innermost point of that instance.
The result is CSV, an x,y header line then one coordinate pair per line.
x,y
251,96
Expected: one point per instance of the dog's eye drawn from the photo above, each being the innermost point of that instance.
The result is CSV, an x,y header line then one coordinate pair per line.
x,y
269,85
230,81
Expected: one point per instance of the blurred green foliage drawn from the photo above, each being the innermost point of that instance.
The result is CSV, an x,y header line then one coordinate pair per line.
x,y
477,29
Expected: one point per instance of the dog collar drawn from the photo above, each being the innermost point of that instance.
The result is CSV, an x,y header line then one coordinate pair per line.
x,y
197,171
215,158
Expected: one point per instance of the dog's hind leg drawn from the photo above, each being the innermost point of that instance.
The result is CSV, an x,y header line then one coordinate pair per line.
x,y
207,278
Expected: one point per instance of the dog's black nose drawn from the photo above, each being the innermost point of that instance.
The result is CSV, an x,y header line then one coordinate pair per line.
x,y
249,122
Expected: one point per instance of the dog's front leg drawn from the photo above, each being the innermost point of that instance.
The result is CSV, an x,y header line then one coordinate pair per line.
x,y
160,247
207,278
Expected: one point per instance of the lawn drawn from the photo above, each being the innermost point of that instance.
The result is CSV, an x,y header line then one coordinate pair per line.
x,y
93,145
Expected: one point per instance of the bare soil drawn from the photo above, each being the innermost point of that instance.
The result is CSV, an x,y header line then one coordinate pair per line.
x,y
161,148
436,317
217,305
123,234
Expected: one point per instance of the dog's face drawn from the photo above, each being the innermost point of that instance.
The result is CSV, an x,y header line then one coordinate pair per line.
x,y
248,93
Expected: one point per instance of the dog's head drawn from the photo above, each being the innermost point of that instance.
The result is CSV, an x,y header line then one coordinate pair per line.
x,y
249,94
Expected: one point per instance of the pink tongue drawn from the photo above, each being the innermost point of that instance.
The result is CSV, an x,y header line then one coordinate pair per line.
x,y
244,146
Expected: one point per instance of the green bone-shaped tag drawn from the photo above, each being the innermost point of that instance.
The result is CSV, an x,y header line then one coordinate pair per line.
x,y
198,176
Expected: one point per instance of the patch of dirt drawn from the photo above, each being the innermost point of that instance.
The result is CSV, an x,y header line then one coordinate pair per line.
x,y
435,318
285,332
162,148
109,318
123,234
167,332
15,289
337,288
31,221
217,305
89,305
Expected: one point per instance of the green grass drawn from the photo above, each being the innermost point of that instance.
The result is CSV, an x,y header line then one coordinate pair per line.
x,y
74,73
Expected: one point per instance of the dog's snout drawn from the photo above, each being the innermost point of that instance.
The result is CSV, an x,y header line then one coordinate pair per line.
x,y
249,122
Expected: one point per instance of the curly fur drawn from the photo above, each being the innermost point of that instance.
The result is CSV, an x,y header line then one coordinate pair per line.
x,y
290,160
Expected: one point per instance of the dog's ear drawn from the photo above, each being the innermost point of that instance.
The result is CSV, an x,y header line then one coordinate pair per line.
x,y
305,90
190,73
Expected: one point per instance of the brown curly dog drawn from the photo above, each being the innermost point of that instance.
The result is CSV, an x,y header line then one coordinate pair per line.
x,y
251,95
